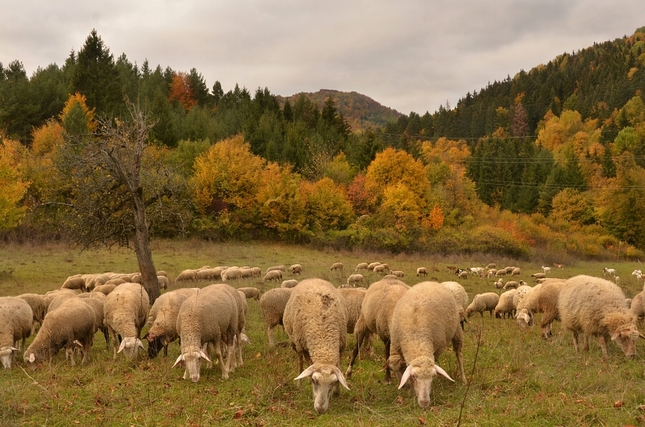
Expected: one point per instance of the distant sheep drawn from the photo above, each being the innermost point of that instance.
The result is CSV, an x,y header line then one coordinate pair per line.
x,y
422,271
315,318
539,275
361,266
336,266
546,269
276,267
296,269
516,271
608,272
355,279
251,292
370,266
231,273
289,283
275,275
398,273
511,284
596,307
186,276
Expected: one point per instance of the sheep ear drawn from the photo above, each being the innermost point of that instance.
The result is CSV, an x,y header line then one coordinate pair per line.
x,y
341,377
202,354
78,343
306,373
140,344
179,359
443,373
406,376
122,346
32,358
13,349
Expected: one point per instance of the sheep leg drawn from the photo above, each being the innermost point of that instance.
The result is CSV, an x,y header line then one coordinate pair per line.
x,y
270,335
360,335
603,344
388,371
575,340
457,344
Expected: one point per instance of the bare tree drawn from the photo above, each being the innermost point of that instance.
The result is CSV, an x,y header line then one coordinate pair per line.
x,y
109,206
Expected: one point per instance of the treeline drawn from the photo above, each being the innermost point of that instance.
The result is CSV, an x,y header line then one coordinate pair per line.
x,y
233,164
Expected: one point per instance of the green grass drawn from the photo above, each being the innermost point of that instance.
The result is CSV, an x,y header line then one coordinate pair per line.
x,y
519,378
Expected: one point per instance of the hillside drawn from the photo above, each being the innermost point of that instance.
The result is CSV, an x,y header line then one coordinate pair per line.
x,y
360,111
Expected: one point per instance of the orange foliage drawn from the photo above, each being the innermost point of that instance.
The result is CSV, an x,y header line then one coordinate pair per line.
x,y
358,196
181,91
75,101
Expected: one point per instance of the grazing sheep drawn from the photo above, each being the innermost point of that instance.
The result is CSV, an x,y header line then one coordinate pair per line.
x,y
37,304
315,318
608,272
105,289
296,269
276,268
499,284
398,273
98,305
376,313
381,268
370,266
289,283
162,319
187,275
273,303
273,275
425,321
522,290
516,271
539,275
491,265
16,322
355,279
463,274
250,292
70,325
336,266
232,273
491,273
542,298
208,317
637,306
511,284
126,310
505,306
361,266
483,302
460,295
500,272
74,282
596,307
422,271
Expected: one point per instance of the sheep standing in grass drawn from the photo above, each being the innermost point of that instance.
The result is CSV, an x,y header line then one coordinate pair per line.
x,y
422,271
289,283
296,269
596,307
361,266
336,266
505,307
38,306
16,321
355,279
542,298
376,313
460,296
126,311
275,275
273,303
483,302
69,325
315,318
162,319
424,322
250,292
353,302
208,317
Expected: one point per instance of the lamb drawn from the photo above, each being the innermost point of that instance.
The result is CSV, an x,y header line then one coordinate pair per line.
x,y
16,322
250,292
542,298
336,266
355,279
273,275
505,305
376,312
499,284
422,271
361,266
126,311
546,269
608,272
289,283
483,302
596,307
162,319
210,316
353,302
424,322
38,306
70,325
273,303
296,269
315,318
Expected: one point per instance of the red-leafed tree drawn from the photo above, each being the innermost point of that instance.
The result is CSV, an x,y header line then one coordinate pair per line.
x,y
181,91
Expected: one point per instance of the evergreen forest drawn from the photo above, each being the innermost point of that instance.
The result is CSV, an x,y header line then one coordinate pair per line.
x,y
549,161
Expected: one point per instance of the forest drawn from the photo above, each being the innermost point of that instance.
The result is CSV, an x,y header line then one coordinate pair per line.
x,y
548,162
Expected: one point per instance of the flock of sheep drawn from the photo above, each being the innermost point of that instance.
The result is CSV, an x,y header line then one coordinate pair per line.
x,y
416,323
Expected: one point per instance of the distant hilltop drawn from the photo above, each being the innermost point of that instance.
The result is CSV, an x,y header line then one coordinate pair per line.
x,y
360,111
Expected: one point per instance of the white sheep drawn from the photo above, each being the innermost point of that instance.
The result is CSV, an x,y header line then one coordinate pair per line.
x,y
276,267
296,269
353,302
361,266
162,318
546,269
505,306
231,273
483,302
370,266
608,272
424,323
336,266
250,292
542,298
637,306
376,312
273,275
273,303
74,282
126,310
187,275
596,307
539,275
16,322
38,306
315,318
398,273
208,317
290,283
355,279
105,289
511,284
460,295
70,325
422,271
516,271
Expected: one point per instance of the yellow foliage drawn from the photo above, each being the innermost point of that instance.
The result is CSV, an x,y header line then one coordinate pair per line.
x,y
12,186
400,208
79,101
327,207
47,138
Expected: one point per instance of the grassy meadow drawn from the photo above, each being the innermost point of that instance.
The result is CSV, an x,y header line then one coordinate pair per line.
x,y
515,377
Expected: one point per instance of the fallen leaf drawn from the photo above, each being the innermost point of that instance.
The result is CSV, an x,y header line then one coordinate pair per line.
x,y
618,404
238,414
422,421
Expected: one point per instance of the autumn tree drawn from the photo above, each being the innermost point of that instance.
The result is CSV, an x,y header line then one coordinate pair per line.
x,y
12,184
181,91
326,205
77,118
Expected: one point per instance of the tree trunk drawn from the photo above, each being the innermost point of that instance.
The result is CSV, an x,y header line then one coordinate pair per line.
x,y
142,248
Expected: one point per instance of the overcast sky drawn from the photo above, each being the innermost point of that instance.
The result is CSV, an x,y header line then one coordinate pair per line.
x,y
410,55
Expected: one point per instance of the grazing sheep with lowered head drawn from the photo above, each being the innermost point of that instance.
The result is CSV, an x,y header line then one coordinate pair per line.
x,y
126,311
16,321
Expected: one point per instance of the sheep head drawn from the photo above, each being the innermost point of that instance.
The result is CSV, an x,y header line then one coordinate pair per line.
x,y
626,336
524,318
6,356
193,362
130,347
324,379
421,371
